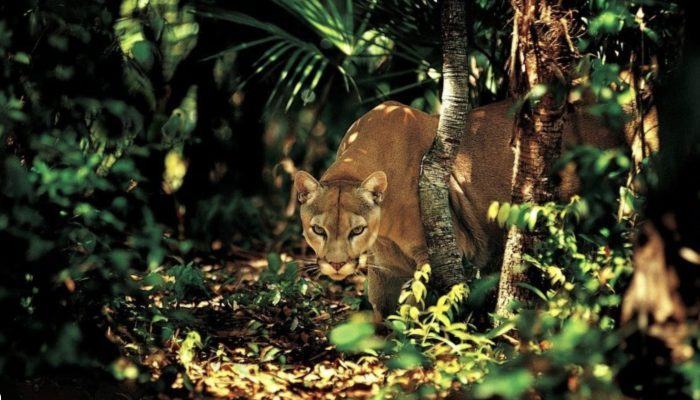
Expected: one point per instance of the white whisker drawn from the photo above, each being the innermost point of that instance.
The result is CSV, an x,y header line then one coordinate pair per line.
x,y
377,267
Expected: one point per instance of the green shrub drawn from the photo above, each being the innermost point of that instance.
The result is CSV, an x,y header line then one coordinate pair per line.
x,y
77,189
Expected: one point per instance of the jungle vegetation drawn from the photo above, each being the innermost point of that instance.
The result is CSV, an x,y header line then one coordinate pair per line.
x,y
152,248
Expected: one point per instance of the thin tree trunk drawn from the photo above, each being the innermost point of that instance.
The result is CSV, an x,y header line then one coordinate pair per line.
x,y
443,253
540,56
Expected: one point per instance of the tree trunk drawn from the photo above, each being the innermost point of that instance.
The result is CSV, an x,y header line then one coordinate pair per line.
x,y
443,253
541,55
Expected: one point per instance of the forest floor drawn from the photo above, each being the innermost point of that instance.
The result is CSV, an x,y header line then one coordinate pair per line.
x,y
257,343
249,333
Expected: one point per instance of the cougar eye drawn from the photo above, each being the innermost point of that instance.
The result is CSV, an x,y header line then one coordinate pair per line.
x,y
357,230
318,230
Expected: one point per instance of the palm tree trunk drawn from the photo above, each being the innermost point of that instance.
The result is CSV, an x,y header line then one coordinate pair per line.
x,y
541,56
443,253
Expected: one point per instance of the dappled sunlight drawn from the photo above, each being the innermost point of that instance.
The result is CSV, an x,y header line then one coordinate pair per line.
x,y
275,351
228,199
389,108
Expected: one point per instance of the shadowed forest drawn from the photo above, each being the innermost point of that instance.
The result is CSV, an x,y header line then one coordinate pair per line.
x,y
160,240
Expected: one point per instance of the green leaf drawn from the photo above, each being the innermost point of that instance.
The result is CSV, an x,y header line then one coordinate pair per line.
x,y
503,214
182,121
354,336
290,271
189,346
274,263
602,162
398,325
418,289
408,357
508,384
537,92
513,215
532,218
269,354
159,318
242,46
22,58
500,330
607,22
492,213
651,35
143,54
276,297
533,289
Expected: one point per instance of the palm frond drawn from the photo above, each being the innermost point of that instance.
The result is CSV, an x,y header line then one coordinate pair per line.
x,y
351,43
297,59
330,23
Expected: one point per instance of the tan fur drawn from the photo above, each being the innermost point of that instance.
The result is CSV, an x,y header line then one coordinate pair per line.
x,y
393,138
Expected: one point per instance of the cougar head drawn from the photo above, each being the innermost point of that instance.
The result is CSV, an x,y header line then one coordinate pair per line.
x,y
340,219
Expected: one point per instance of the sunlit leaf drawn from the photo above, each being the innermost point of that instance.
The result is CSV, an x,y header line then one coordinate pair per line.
x,y
175,170
503,214
354,336
188,347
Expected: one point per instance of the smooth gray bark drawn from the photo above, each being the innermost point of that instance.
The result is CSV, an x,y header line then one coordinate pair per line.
x,y
443,253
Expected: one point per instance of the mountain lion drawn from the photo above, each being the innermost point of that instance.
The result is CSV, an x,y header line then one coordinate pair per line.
x,y
365,210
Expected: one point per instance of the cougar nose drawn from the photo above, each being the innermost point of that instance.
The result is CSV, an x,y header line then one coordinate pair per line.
x,y
336,265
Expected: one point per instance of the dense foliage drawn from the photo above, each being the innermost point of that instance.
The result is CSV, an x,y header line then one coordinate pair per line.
x,y
145,160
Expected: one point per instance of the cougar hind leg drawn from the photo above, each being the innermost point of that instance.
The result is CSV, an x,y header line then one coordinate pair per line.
x,y
471,238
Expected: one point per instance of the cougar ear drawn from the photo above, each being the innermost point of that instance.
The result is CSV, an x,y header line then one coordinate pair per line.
x,y
376,184
305,184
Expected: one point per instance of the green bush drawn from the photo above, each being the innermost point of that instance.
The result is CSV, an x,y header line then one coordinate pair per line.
x,y
77,186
